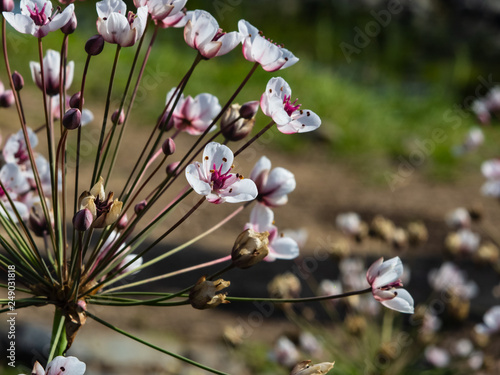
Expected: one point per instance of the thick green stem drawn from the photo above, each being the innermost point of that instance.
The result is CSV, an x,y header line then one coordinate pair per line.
x,y
58,341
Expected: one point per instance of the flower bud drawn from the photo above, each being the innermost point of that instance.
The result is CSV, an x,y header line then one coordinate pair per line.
x,y
123,222
118,118
6,5
171,168
233,126
37,221
7,99
168,146
76,98
94,45
18,80
250,248
249,110
204,295
70,26
139,207
82,220
72,119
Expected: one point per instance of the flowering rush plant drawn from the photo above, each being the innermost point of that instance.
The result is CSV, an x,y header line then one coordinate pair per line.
x,y
68,240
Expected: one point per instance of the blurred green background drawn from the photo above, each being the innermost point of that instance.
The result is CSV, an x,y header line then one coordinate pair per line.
x,y
382,75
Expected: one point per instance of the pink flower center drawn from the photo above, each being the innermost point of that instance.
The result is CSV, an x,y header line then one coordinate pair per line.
x,y
218,179
103,207
2,193
290,107
22,153
218,35
131,18
38,16
395,284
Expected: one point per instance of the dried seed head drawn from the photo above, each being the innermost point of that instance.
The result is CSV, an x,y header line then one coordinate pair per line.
x,y
250,248
204,294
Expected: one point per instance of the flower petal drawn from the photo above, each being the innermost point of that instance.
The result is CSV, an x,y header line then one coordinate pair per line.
x,y
403,302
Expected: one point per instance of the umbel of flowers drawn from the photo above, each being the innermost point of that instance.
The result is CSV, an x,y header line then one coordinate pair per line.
x,y
69,240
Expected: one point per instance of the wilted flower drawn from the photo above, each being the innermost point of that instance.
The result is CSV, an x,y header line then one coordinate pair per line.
x,y
104,209
256,48
202,33
51,69
250,248
117,27
204,294
37,18
213,179
280,247
238,121
385,280
273,185
307,368
276,103
60,365
286,285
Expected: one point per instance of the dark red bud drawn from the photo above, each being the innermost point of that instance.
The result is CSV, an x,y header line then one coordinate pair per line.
x,y
7,99
94,45
83,220
249,110
74,101
168,146
171,168
18,80
6,5
70,26
118,118
122,223
140,206
72,119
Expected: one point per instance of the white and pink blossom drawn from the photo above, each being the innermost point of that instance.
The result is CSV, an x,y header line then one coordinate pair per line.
x,y
273,185
202,33
449,278
15,149
213,178
385,280
38,18
258,49
51,70
491,322
118,27
276,103
16,185
280,246
60,366
161,9
491,170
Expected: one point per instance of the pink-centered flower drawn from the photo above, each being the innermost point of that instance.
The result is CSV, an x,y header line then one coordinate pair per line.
x,y
194,115
51,70
118,27
202,33
273,185
177,20
15,149
280,246
385,280
276,103
256,48
16,185
161,9
60,366
38,18
213,177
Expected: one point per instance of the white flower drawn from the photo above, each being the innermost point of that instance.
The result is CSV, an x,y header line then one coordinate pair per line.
x,y
385,280
60,366
273,186
491,170
202,33
117,27
458,218
15,150
51,69
275,103
256,48
448,278
280,247
491,321
213,177
437,357
349,223
36,18
286,352
16,185
161,9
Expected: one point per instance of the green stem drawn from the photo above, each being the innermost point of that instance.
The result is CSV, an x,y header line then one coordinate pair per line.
x,y
58,341
187,360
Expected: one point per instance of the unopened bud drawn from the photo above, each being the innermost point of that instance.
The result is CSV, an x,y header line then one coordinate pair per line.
x,y
168,146
204,295
82,220
18,80
118,118
7,99
74,101
72,119
172,168
233,126
250,248
122,223
139,207
6,5
249,110
94,45
70,26
163,125
37,221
